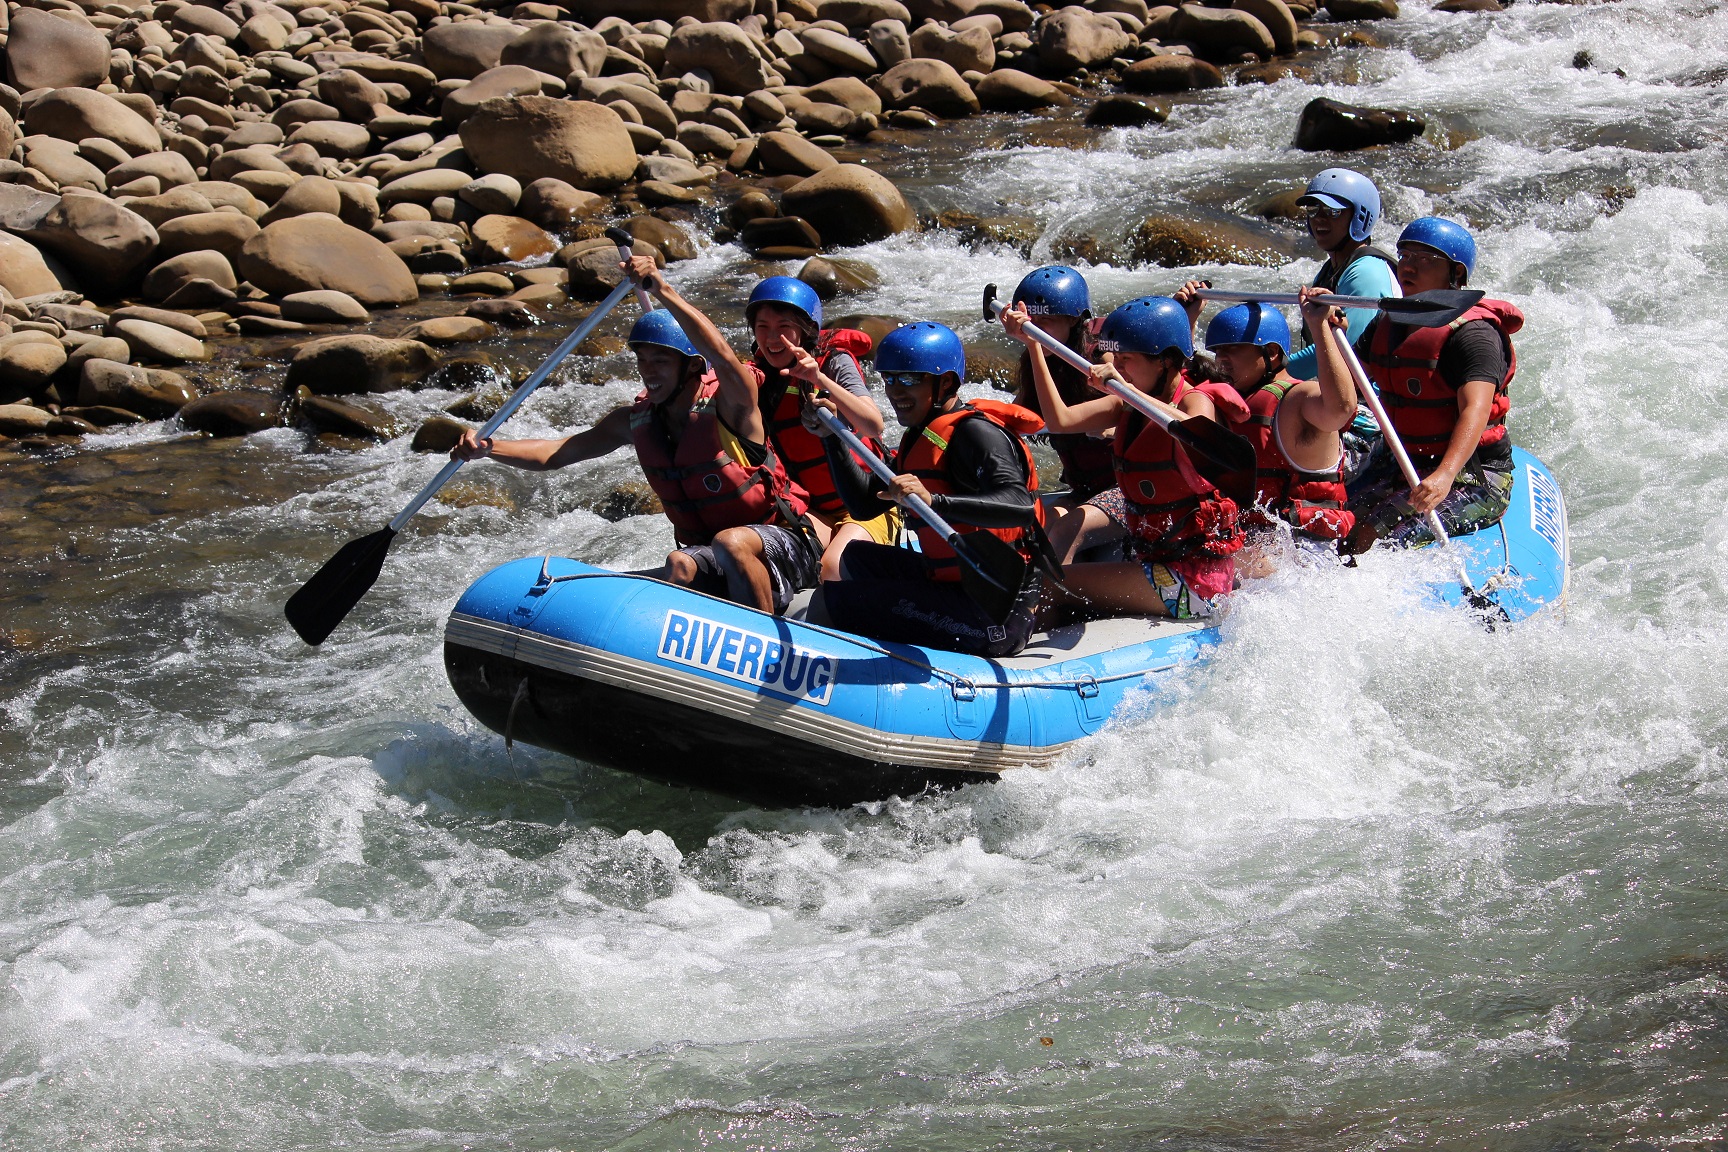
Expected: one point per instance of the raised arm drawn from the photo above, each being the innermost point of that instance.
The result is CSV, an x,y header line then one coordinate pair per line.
x,y
1332,405
1097,415
737,396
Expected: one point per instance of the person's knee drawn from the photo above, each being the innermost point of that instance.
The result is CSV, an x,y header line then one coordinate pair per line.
x,y
680,568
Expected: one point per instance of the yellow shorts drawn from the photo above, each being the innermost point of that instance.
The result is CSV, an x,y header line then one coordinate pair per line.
x,y
884,529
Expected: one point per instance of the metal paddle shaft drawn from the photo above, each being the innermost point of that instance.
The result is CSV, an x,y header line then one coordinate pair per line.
x,y
1206,437
327,598
1433,309
1000,589
1365,389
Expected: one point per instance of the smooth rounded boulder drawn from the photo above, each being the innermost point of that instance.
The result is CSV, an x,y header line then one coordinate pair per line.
x,y
1075,38
850,204
1171,73
463,50
725,52
81,113
339,365
932,85
1328,125
530,137
105,244
23,271
156,393
44,51
306,253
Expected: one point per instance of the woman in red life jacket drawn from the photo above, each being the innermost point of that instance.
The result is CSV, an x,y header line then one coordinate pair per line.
x,y
1182,530
1294,425
698,436
1447,393
799,359
968,461
1058,301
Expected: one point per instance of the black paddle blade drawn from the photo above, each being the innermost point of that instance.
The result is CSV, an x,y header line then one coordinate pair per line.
x,y
1434,309
1212,440
323,601
991,572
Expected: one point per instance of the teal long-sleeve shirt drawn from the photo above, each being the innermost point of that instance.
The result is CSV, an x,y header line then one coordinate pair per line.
x,y
1366,276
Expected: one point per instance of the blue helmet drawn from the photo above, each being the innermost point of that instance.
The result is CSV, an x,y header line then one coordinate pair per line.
x,y
1054,290
1447,237
1151,325
1249,324
661,328
1342,188
922,347
787,290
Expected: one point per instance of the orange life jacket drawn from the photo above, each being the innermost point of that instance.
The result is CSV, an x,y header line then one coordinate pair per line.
x,y
1312,502
801,450
1173,512
704,488
924,455
1423,407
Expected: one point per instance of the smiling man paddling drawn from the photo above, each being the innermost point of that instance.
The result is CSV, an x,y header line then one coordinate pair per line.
x,y
698,434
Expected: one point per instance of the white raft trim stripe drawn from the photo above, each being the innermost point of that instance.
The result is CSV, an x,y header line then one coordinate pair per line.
x,y
762,711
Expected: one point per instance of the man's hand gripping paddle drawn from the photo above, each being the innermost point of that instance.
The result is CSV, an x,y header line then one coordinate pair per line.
x,y
992,571
323,601
1231,457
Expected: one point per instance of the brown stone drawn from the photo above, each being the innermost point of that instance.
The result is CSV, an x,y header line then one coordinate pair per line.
x,y
790,154
508,240
444,330
850,204
1010,90
463,50
928,84
724,51
338,365
1361,9
304,253
153,393
174,273
531,137
23,271
1074,38
105,244
1328,125
81,113
237,412
44,51
1177,242
1171,73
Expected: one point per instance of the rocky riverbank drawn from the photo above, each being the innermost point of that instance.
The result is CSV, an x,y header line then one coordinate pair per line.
x,y
205,203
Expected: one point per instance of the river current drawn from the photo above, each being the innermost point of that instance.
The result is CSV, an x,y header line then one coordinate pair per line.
x,y
1370,878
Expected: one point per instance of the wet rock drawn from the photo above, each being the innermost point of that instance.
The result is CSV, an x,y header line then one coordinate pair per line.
x,y
167,279
105,244
672,241
340,365
1176,242
1275,16
76,114
531,137
28,360
1281,206
838,277
44,51
304,253
500,239
594,269
323,306
103,415
850,204
626,499
1268,72
772,232
437,434
238,412
155,393
461,51
672,170
1469,6
968,50
23,271
1361,9
1074,38
158,343
24,420
1126,112
790,154
1010,90
345,419
722,50
1171,73
752,205
511,311
491,283
556,205
659,194
1328,125
1222,33
928,84
445,330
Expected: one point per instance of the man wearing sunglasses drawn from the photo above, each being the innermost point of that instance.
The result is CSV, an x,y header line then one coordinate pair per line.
x,y
1341,207
966,459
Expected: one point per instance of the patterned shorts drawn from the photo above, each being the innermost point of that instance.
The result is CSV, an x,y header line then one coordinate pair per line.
x,y
792,564
1479,497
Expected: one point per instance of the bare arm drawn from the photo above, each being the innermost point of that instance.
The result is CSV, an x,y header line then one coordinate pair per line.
x,y
736,399
1475,401
857,411
611,433
1332,405
1059,416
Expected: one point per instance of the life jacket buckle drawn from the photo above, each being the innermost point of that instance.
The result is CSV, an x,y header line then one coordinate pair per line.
x,y
964,689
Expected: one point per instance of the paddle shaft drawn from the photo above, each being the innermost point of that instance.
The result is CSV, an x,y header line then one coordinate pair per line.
x,y
1151,407
1374,302
880,468
517,399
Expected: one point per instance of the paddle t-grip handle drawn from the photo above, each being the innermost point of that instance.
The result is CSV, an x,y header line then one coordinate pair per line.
x,y
626,248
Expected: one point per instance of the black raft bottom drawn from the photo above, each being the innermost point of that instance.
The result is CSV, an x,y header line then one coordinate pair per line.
x,y
674,743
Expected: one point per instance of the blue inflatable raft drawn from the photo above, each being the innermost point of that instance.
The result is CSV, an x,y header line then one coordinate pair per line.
x,y
645,677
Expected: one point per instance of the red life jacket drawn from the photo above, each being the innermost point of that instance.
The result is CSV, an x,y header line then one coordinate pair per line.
x,y
924,456
1313,502
1086,466
1423,407
703,487
800,450
1173,512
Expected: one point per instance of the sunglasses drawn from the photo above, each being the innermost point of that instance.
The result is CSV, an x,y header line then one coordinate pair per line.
x,y
903,379
1421,256
1321,212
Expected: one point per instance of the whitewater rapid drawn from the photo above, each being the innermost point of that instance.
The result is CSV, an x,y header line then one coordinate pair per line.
x,y
1370,877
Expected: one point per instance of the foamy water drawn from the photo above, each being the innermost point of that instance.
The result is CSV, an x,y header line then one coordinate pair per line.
x,y
1371,877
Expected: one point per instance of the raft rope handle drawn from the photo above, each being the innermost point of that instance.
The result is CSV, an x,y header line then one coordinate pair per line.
x,y
954,682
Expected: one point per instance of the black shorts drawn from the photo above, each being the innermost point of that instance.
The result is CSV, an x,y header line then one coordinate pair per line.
x,y
793,564
886,594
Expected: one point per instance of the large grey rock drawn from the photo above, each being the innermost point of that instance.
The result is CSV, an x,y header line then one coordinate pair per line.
x,y
304,253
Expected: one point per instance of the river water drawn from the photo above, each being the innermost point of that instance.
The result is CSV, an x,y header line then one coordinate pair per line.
x,y
1371,878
